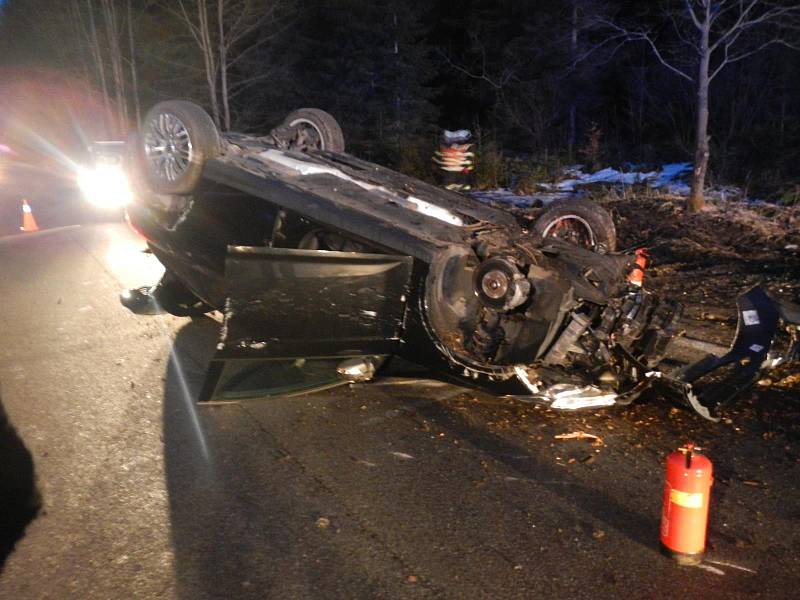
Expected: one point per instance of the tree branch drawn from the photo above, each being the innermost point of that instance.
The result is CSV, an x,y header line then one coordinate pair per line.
x,y
681,35
742,22
498,84
643,36
732,59
243,83
693,15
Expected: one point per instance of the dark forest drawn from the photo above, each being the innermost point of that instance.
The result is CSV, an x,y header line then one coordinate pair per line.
x,y
541,84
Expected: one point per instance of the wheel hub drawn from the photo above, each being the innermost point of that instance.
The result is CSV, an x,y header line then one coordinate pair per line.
x,y
495,284
572,229
168,147
305,136
500,285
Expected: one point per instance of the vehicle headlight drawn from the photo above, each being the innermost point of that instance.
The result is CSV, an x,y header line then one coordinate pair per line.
x,y
105,186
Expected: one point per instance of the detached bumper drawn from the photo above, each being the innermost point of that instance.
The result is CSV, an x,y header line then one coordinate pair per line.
x,y
714,381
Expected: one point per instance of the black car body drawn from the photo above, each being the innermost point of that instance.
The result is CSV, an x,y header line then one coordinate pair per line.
x,y
326,266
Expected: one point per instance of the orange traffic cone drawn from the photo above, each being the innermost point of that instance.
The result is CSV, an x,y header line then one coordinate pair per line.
x,y
28,222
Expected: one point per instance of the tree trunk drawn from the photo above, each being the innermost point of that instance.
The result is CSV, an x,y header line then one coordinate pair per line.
x,y
223,66
80,32
98,59
112,36
702,150
572,136
209,59
134,77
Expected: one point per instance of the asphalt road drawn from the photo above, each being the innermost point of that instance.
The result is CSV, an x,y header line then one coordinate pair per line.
x,y
53,196
372,491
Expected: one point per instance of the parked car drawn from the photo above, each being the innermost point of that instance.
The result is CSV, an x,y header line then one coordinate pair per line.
x,y
328,269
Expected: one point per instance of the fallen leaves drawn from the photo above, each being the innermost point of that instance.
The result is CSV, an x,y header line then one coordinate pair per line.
x,y
790,381
754,483
580,435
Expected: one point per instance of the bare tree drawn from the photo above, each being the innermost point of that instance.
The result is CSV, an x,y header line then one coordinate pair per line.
x,y
573,109
97,55
717,34
194,15
583,20
132,62
76,24
244,26
98,26
227,32
112,31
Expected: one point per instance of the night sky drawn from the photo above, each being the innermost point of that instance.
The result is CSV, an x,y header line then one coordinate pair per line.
x,y
395,72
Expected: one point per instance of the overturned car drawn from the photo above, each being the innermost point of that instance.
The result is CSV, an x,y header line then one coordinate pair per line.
x,y
327,269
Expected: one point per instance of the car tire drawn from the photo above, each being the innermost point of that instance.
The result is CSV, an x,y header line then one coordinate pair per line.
x,y
175,140
326,128
578,221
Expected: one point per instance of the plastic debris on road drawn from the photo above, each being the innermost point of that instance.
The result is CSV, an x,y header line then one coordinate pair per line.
x,y
567,396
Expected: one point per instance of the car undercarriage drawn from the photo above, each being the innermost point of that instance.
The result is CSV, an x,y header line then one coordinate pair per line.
x,y
326,266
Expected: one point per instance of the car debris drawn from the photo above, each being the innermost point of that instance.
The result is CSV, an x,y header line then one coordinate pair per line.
x,y
402,455
565,396
329,270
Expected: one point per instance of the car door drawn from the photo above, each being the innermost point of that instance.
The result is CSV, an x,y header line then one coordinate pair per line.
x,y
302,320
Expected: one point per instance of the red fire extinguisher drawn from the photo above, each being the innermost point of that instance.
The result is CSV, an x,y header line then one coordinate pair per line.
x,y
684,514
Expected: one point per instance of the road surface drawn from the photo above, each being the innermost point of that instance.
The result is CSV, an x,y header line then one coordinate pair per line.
x,y
372,491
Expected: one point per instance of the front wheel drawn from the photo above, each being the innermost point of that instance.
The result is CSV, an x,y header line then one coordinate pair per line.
x,y
175,140
580,222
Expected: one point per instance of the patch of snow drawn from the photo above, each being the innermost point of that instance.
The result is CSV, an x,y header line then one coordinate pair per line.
x,y
508,198
670,173
725,193
607,175
669,177
575,171
678,189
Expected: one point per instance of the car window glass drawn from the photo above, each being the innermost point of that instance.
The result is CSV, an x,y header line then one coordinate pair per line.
x,y
251,379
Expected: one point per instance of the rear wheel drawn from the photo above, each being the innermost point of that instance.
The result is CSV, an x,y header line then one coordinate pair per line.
x,y
310,129
175,140
578,222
